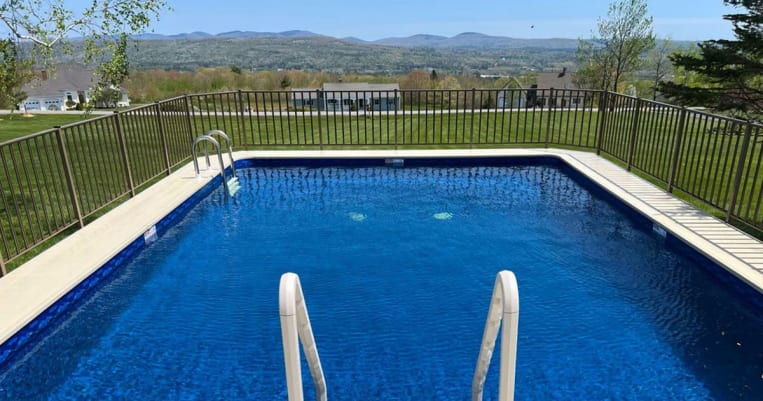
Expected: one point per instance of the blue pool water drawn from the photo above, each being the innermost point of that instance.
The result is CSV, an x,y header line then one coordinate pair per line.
x,y
397,266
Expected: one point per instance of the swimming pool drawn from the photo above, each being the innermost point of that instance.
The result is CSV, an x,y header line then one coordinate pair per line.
x,y
397,267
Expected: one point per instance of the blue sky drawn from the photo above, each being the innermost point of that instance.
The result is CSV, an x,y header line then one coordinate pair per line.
x,y
679,19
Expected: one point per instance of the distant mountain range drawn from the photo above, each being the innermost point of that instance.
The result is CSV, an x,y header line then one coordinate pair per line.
x,y
466,53
227,35
466,40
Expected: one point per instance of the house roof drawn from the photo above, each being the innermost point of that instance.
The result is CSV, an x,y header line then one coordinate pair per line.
x,y
304,93
555,80
358,86
74,77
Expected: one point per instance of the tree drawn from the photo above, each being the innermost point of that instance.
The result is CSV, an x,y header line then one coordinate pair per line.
x,y
658,61
596,66
285,82
732,69
111,76
105,24
417,79
623,37
12,75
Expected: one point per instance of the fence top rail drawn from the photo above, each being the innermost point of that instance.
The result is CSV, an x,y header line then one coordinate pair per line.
x,y
88,121
172,99
306,90
657,103
54,129
727,119
28,137
222,93
135,109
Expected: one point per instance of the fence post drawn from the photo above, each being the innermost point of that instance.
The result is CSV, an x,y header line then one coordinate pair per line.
x,y
3,272
165,147
677,149
242,122
69,176
739,171
603,105
319,99
634,132
471,126
125,155
396,107
551,101
189,117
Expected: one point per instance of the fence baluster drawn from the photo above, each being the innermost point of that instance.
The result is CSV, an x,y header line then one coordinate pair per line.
x,y
471,125
739,170
241,119
551,111
165,147
634,132
603,106
395,133
677,149
123,151
69,176
188,118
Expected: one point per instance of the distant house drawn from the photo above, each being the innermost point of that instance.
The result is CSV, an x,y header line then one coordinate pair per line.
x,y
508,98
541,94
69,86
349,96
307,98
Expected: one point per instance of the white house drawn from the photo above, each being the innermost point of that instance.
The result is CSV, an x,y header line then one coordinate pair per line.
x,y
544,97
348,96
69,86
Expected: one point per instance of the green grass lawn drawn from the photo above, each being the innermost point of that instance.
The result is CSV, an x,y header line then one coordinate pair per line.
x,y
16,125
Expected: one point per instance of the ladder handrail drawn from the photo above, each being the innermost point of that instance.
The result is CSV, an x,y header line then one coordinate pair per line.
x,y
202,138
222,134
504,306
295,325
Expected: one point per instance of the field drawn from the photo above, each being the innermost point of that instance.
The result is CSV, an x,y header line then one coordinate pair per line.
x,y
16,125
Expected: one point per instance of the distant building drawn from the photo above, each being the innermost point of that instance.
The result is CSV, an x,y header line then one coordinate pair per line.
x,y
542,96
349,96
307,98
508,98
69,86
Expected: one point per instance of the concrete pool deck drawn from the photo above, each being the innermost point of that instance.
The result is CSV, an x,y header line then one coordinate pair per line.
x,y
33,287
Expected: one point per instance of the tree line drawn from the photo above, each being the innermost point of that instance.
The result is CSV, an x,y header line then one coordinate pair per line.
x,y
146,86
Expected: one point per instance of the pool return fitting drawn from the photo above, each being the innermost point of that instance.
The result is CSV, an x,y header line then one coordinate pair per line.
x,y
231,185
296,328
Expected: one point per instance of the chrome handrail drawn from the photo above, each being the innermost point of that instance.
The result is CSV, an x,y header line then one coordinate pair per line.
x,y
203,138
504,306
228,142
295,324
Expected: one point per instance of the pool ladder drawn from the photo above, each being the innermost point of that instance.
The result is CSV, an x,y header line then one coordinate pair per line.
x,y
231,185
296,328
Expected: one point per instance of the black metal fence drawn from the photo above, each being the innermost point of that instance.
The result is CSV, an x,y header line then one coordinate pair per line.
x,y
58,179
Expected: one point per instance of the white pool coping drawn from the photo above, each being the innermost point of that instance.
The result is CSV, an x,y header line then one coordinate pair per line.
x,y
31,288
